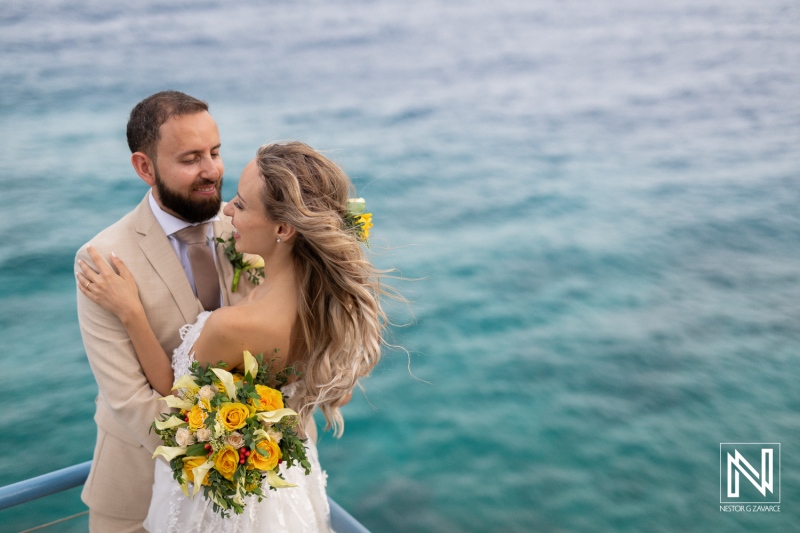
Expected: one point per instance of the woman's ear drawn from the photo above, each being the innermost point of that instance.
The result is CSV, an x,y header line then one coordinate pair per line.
x,y
286,232
145,167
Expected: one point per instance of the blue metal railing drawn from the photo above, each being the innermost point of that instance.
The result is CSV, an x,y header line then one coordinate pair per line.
x,y
74,476
44,485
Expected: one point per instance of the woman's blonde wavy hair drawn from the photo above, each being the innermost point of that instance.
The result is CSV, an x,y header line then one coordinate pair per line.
x,y
339,331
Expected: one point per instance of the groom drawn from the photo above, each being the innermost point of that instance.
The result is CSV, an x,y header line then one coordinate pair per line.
x,y
167,243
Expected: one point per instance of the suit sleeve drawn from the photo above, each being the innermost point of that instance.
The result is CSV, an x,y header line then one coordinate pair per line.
x,y
121,382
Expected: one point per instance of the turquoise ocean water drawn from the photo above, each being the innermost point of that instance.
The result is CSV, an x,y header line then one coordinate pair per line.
x,y
599,201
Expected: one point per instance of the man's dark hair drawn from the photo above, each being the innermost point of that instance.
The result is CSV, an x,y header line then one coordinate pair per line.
x,y
149,114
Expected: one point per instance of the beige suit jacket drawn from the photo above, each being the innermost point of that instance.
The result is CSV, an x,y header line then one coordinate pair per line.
x,y
121,478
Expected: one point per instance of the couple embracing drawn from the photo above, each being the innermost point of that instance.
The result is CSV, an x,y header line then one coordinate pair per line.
x,y
155,294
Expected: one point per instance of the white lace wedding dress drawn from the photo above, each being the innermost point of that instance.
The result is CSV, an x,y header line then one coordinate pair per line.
x,y
293,510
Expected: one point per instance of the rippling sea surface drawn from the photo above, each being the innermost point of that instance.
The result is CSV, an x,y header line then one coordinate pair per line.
x,y
597,202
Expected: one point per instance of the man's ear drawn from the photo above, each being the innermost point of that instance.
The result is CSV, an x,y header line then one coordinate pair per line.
x,y
145,167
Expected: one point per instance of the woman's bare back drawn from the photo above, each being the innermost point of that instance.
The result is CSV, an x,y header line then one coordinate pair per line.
x,y
262,323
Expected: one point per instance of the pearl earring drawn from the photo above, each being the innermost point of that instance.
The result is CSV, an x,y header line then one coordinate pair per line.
x,y
279,239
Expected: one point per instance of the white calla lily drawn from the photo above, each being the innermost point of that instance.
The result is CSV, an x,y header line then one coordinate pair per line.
x,y
270,417
268,435
169,452
171,422
250,364
177,403
200,473
227,379
185,382
276,481
252,261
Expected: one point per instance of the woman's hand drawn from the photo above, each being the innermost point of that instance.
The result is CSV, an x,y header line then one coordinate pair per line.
x,y
113,289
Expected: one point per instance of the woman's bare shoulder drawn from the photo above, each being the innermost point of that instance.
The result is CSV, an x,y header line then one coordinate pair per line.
x,y
231,330
225,318
222,337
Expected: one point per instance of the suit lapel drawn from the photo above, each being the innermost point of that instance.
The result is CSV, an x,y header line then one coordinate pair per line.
x,y
159,252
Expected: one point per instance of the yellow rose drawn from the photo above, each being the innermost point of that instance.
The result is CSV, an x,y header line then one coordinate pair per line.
x,y
265,456
226,461
233,415
194,462
271,399
197,417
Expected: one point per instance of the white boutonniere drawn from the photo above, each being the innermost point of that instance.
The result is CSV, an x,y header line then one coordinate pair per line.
x,y
252,264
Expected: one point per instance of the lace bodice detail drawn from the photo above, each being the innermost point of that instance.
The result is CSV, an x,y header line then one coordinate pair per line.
x,y
183,355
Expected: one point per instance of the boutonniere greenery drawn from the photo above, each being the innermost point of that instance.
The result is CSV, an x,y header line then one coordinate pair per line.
x,y
251,264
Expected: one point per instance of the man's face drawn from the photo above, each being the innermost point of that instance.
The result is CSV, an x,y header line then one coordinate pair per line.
x,y
188,167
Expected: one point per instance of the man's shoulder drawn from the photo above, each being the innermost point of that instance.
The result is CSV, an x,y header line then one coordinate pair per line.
x,y
122,234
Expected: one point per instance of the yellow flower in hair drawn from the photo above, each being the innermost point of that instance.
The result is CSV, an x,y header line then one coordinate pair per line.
x,y
358,218
364,223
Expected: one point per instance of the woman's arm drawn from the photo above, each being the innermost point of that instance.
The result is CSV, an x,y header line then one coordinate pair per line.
x,y
118,294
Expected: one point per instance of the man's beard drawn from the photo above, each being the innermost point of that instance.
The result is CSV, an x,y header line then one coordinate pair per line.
x,y
194,211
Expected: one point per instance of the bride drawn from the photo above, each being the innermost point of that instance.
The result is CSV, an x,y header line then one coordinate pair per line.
x,y
319,306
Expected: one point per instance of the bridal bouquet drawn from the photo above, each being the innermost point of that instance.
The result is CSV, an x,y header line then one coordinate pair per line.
x,y
232,433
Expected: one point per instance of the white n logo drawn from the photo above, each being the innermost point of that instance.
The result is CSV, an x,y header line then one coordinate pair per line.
x,y
737,462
